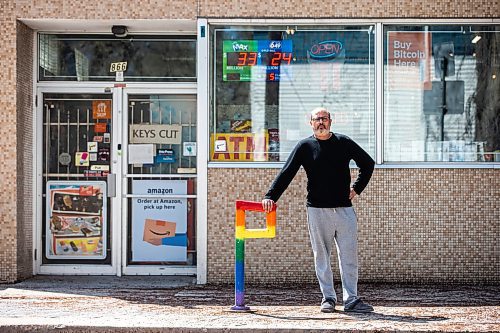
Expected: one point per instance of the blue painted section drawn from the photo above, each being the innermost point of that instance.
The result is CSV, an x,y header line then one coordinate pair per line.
x,y
240,276
177,240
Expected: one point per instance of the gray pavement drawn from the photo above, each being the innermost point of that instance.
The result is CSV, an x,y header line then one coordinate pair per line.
x,y
175,304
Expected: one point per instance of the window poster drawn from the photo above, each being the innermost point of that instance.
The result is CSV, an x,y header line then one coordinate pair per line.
x,y
256,60
101,109
409,57
240,146
76,220
159,223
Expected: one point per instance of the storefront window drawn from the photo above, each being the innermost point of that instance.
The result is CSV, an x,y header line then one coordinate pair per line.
x,y
161,156
268,79
442,93
90,58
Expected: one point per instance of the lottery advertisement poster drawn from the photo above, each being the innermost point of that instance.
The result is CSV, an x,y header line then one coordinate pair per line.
x,y
76,220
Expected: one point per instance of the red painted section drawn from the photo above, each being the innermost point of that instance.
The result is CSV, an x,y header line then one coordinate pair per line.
x,y
251,205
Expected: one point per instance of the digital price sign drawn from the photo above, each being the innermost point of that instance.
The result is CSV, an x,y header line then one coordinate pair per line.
x,y
256,60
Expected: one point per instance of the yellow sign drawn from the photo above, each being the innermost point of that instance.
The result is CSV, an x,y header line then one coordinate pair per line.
x,y
118,67
239,146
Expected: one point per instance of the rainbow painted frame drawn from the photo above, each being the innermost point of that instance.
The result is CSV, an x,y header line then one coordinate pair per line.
x,y
241,233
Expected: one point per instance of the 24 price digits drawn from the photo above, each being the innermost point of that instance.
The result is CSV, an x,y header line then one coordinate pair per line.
x,y
279,57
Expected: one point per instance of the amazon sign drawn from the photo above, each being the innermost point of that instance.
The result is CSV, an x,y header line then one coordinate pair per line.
x,y
159,220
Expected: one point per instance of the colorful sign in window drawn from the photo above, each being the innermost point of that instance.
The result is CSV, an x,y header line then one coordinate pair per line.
x,y
256,60
76,220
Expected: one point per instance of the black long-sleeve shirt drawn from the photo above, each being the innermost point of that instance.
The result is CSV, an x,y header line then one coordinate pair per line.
x,y
326,163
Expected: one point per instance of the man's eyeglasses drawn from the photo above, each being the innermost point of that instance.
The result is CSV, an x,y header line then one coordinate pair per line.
x,y
318,119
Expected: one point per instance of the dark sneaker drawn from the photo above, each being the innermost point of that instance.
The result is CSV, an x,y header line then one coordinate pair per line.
x,y
358,306
328,306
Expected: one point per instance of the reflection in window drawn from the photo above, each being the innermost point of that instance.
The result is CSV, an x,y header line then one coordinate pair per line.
x,y
48,56
89,58
267,81
168,124
442,94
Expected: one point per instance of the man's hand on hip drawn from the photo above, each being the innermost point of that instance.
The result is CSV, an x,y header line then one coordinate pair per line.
x,y
267,205
353,194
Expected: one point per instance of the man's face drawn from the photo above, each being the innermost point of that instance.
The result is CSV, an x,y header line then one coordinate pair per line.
x,y
320,124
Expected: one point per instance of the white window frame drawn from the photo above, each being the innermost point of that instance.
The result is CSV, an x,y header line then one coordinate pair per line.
x,y
379,86
199,88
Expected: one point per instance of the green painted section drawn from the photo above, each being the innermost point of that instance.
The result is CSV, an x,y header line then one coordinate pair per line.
x,y
240,250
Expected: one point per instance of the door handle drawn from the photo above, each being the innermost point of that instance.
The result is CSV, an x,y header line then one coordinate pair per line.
x,y
111,185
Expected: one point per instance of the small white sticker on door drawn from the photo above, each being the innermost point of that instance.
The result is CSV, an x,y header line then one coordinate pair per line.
x,y
189,149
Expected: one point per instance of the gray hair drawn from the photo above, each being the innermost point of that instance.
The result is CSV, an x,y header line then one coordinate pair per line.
x,y
319,109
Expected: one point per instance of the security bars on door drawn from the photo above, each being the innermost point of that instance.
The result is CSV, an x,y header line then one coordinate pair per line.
x,y
161,159
76,161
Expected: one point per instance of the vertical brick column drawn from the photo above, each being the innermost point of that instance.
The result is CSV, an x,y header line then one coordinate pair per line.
x,y
8,141
25,158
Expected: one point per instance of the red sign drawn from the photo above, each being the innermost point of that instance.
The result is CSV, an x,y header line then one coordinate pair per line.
x,y
86,190
409,60
100,127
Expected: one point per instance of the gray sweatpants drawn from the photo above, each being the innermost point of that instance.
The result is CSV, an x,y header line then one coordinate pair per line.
x,y
339,225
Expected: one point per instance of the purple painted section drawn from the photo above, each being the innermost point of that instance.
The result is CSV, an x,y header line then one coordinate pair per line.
x,y
239,297
240,308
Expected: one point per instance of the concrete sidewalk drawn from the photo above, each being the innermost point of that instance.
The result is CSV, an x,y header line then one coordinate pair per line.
x,y
175,304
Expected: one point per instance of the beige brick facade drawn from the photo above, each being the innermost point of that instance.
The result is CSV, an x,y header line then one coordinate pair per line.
x,y
105,10
8,142
415,224
350,9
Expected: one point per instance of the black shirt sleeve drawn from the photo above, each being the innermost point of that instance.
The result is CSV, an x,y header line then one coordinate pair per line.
x,y
365,164
286,175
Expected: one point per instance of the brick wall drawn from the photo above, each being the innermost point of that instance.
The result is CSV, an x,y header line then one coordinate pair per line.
x,y
16,124
8,156
190,9
105,10
25,162
415,225
351,9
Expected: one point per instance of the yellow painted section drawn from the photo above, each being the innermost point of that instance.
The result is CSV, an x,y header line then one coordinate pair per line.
x,y
242,232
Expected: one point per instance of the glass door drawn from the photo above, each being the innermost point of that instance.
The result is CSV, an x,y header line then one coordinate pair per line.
x,y
76,191
159,182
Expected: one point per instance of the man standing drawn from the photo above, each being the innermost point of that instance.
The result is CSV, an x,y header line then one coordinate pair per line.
x,y
325,157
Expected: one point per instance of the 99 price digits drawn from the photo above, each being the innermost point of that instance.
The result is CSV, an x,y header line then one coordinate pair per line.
x,y
118,67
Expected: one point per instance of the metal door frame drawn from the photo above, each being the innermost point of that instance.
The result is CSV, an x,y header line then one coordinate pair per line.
x,y
119,93
174,90
72,269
